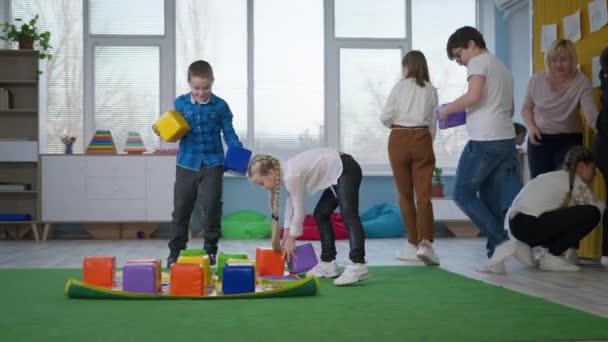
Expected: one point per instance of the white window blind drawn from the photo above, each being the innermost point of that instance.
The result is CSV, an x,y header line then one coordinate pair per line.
x,y
370,18
127,95
288,76
132,17
433,21
61,94
215,31
366,79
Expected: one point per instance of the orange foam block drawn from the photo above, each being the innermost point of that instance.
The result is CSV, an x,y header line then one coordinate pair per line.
x,y
99,270
269,262
159,275
187,280
200,260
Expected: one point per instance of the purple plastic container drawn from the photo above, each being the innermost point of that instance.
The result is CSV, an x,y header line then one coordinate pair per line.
x,y
140,278
454,119
305,259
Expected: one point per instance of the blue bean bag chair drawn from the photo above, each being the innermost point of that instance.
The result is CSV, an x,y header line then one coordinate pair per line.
x,y
246,224
382,221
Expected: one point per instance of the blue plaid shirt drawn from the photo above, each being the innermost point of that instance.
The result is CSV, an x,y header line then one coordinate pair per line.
x,y
203,143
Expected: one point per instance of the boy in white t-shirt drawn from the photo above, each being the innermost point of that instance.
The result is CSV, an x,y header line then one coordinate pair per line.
x,y
488,164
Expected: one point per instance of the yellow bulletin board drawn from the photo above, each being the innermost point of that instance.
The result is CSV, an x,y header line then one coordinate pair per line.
x,y
547,12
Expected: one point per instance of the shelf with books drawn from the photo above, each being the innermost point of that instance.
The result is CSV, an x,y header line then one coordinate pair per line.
x,y
19,155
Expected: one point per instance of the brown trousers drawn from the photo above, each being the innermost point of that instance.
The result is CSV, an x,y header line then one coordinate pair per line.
x,y
412,159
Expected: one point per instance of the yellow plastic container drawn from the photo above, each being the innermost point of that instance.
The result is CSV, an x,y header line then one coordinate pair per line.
x,y
172,126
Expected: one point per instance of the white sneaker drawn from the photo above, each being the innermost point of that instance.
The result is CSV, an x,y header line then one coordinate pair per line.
x,y
352,274
324,269
604,261
571,256
498,268
503,251
550,262
408,253
524,254
427,254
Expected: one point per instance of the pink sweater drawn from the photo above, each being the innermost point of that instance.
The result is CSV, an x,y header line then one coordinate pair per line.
x,y
557,111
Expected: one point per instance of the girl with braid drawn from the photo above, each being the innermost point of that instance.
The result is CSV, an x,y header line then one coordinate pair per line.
x,y
556,210
339,176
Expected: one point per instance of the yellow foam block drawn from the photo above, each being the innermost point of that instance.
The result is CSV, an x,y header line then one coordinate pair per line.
x,y
200,260
244,261
171,126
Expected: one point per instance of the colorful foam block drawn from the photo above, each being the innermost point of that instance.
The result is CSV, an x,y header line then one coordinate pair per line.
x,y
453,120
238,278
191,252
244,261
305,259
159,273
269,262
221,260
99,270
237,159
187,280
172,126
202,260
140,278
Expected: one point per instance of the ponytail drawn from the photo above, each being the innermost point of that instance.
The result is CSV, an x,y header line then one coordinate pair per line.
x,y
574,156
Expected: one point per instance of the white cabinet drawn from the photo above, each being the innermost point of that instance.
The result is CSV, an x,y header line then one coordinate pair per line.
x,y
107,188
160,179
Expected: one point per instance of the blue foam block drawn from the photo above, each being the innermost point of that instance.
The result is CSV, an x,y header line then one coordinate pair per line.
x,y
237,159
238,278
15,217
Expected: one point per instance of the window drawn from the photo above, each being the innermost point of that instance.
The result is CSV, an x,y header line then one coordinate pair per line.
x,y
366,79
430,37
215,31
61,97
288,112
296,74
133,17
123,51
127,95
370,19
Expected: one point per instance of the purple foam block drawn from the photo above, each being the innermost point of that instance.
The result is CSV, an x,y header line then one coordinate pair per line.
x,y
305,259
140,278
453,120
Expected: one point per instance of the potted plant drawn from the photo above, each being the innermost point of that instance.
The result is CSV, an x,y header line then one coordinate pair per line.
x,y
28,36
437,190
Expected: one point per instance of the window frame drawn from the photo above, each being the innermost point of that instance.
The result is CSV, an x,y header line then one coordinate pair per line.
x,y
332,46
165,43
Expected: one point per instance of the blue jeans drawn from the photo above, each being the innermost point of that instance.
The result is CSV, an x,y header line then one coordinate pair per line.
x,y
487,181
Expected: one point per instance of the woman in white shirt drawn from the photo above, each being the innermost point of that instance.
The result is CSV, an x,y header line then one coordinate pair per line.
x,y
556,210
409,113
339,176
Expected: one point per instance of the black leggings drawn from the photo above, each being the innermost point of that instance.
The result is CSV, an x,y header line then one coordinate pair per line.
x,y
557,229
347,198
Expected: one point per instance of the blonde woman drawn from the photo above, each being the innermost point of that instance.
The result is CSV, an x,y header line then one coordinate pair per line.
x,y
551,108
338,175
409,112
556,210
